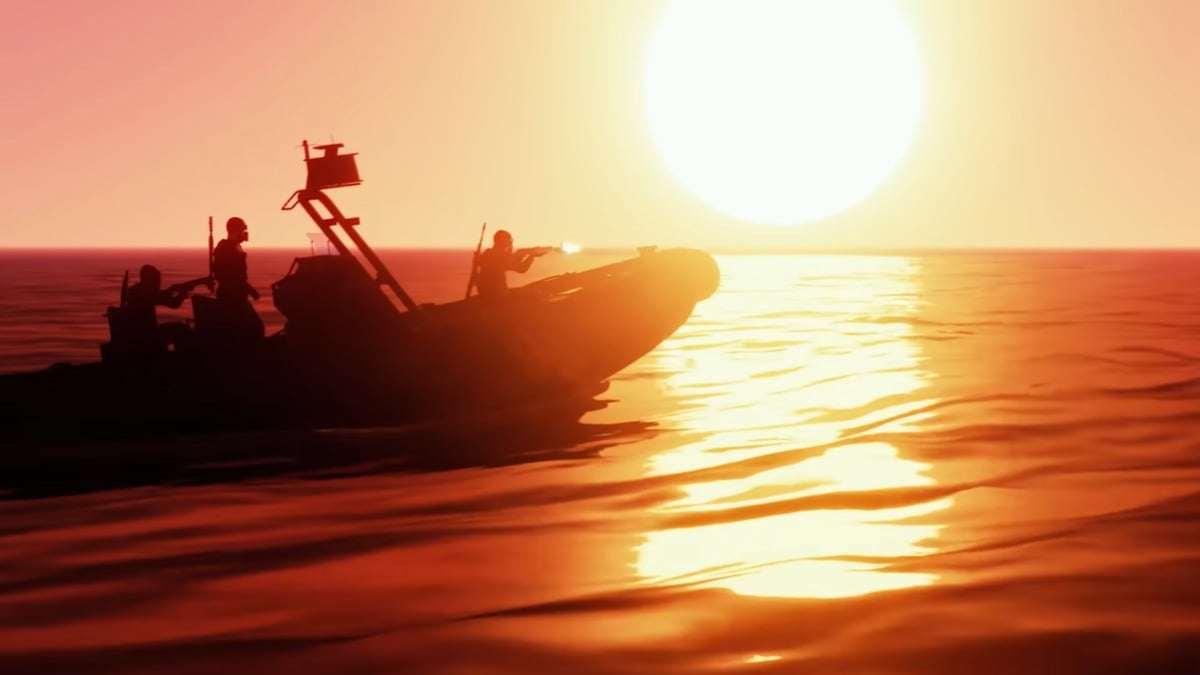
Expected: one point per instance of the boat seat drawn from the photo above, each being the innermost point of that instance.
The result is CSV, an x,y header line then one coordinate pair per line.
x,y
129,341
120,327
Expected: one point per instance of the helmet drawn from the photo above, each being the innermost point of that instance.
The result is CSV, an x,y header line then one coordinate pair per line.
x,y
235,224
501,237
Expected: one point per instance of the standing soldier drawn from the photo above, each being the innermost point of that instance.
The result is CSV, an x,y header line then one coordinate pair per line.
x,y
233,285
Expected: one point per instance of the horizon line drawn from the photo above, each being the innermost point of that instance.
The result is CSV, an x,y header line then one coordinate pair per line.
x,y
757,250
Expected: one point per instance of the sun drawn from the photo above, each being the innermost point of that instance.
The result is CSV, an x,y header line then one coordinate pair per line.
x,y
783,112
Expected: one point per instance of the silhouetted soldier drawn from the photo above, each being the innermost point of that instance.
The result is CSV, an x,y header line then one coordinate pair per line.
x,y
139,316
135,326
233,285
146,295
229,264
499,259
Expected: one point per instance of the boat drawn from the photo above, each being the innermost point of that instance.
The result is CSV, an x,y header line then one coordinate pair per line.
x,y
357,351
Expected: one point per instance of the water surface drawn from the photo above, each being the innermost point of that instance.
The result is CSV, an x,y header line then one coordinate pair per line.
x,y
935,463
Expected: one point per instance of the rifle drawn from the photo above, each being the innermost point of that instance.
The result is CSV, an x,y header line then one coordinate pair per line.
x,y
191,284
537,251
210,248
475,262
125,290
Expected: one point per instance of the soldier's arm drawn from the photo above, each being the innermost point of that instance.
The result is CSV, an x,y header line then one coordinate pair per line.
x,y
522,262
172,297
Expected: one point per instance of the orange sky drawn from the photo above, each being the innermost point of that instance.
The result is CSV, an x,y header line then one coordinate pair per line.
x,y
128,122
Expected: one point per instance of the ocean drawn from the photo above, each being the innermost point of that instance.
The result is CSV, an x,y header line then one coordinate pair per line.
x,y
930,463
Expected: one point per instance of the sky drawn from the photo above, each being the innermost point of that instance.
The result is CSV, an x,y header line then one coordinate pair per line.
x,y
1071,123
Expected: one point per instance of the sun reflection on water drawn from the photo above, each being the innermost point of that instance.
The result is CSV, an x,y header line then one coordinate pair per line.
x,y
772,391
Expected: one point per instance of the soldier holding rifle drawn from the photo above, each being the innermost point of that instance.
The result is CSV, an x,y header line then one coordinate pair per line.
x,y
494,263
145,296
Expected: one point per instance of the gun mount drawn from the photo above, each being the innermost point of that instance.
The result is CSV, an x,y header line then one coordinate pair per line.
x,y
331,169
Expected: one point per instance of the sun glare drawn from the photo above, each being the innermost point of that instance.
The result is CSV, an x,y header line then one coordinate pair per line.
x,y
748,409
782,112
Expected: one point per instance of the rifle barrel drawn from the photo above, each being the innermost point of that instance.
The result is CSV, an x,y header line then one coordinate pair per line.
x,y
475,261
210,247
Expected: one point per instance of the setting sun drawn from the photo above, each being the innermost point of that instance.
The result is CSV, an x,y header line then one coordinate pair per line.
x,y
782,112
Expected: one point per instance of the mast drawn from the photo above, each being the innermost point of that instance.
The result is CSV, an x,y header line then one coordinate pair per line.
x,y
333,170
